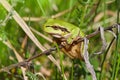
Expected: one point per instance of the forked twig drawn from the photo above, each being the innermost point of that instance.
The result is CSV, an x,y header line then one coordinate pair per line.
x,y
26,29
47,52
104,44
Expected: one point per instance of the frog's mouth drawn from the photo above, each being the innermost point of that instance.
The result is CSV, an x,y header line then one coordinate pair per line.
x,y
56,35
59,36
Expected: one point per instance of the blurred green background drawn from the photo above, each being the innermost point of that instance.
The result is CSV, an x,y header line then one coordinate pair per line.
x,y
88,15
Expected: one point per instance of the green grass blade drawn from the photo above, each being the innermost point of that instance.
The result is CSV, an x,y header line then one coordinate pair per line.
x,y
41,7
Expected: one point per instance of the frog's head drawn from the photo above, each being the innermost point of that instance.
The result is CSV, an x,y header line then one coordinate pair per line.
x,y
56,30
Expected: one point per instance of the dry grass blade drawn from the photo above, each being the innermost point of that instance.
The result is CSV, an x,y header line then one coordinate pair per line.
x,y
27,30
40,34
86,58
40,74
33,18
36,19
22,24
101,15
104,44
19,58
61,13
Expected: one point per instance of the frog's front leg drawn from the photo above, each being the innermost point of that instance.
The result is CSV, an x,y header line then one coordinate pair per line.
x,y
66,49
74,51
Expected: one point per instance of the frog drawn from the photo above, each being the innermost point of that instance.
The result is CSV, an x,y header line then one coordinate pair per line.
x,y
66,34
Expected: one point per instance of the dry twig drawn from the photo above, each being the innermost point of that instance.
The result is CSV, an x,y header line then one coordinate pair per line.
x,y
86,58
48,52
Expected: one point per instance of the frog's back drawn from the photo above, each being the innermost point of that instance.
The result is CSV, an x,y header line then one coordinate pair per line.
x,y
61,23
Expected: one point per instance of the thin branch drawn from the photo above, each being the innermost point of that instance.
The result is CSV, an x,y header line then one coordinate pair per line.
x,y
97,32
19,58
26,29
26,62
48,52
36,19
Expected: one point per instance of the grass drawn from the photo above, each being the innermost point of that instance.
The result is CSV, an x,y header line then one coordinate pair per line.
x,y
21,34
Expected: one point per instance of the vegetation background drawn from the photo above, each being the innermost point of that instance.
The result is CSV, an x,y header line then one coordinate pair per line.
x,y
17,43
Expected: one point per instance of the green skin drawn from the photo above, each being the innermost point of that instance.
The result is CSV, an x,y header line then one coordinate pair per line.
x,y
66,34
71,31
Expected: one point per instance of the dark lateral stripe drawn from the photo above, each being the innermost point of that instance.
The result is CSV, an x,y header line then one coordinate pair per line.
x,y
59,28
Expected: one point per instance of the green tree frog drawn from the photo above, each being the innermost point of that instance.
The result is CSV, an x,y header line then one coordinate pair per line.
x,y
65,34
